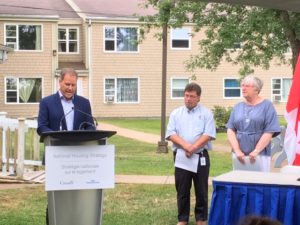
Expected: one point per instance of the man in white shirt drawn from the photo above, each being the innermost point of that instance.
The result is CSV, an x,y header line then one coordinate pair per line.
x,y
191,128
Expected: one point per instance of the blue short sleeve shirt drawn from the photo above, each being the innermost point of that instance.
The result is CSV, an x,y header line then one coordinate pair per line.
x,y
191,125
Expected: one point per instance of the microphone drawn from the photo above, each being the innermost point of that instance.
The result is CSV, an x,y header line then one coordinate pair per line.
x,y
64,118
89,115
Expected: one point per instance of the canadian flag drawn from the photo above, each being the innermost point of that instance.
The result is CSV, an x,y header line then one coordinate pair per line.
x,y
292,116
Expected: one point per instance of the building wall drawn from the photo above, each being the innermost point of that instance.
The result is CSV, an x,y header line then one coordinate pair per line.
x,y
28,65
146,64
74,57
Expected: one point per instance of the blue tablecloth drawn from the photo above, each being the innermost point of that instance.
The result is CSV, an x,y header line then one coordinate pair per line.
x,y
233,200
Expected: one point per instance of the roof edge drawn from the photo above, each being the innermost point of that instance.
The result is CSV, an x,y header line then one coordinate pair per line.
x,y
112,18
36,17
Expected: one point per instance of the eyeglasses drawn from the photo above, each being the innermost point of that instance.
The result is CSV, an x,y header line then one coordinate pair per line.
x,y
246,85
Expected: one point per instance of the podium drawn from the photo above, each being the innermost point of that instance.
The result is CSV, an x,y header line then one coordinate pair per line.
x,y
78,165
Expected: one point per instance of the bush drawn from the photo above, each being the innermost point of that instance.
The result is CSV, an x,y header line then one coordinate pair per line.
x,y
221,115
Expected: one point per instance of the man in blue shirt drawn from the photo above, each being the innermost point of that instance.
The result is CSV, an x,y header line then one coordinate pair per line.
x,y
191,128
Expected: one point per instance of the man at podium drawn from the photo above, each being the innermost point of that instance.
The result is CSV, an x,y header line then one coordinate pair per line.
x,y
65,110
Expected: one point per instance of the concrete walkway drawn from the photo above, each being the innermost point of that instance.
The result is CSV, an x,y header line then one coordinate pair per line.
x,y
137,135
146,137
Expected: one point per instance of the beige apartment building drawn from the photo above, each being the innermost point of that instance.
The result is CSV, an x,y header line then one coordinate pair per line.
x,y
120,77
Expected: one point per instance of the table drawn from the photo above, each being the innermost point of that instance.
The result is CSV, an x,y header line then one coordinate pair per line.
x,y
238,193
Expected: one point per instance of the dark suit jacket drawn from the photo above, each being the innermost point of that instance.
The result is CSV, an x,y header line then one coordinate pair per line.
x,y
51,114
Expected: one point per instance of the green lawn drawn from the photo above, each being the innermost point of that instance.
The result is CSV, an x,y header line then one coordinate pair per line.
x,y
135,157
128,204
145,125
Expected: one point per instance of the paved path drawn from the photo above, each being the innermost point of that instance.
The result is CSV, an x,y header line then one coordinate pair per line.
x,y
137,135
146,137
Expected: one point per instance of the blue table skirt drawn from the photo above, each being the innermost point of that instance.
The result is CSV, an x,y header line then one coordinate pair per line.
x,y
232,201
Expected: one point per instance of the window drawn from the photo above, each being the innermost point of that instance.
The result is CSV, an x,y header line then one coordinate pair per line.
x,y
121,90
232,88
23,90
121,39
68,40
177,87
23,37
236,46
180,38
280,89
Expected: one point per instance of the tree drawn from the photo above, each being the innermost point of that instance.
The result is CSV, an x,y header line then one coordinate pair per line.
x,y
161,20
263,34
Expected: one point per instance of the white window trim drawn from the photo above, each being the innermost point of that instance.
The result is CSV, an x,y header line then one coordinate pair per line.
x,y
281,91
18,77
115,96
223,84
67,41
115,40
17,36
190,40
171,90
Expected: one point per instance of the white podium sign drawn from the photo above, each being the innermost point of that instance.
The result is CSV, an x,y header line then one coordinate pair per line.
x,y
80,167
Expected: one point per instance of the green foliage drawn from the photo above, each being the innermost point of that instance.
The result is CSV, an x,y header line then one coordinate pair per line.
x,y
264,34
221,115
282,121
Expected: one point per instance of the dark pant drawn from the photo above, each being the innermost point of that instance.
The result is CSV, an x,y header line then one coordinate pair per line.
x,y
183,183
47,216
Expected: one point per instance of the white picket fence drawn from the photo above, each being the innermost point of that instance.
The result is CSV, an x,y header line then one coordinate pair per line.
x,y
17,138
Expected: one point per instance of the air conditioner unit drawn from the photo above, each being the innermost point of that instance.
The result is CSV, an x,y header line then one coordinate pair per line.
x,y
110,98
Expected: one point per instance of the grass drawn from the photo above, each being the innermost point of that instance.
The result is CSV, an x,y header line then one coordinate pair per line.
x,y
145,125
135,157
128,204
22,206
125,204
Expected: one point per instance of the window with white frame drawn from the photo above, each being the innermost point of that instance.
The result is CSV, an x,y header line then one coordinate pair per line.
x,y
232,88
23,90
121,90
280,89
68,39
177,87
23,37
121,39
181,38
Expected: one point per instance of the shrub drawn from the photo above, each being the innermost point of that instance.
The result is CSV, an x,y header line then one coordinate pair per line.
x,y
221,115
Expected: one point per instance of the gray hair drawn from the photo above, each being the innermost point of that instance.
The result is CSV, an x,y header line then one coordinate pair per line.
x,y
69,71
255,81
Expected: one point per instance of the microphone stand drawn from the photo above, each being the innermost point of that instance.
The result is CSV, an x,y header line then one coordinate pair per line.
x,y
89,115
64,117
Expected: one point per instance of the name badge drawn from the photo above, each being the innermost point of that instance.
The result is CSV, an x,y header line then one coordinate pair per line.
x,y
202,161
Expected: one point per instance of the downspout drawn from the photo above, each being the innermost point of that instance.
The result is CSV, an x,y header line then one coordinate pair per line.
x,y
54,57
89,39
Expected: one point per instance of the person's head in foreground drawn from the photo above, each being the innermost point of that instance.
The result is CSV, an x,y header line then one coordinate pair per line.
x,y
258,220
